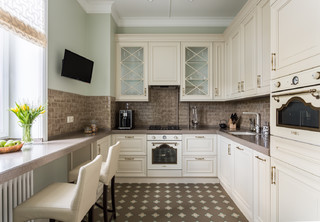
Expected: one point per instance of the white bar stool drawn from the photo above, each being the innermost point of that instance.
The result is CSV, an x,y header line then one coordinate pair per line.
x,y
64,201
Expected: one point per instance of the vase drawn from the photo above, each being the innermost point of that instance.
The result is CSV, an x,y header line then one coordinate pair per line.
x,y
26,133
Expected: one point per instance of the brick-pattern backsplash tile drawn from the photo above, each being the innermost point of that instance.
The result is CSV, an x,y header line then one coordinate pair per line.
x,y
85,109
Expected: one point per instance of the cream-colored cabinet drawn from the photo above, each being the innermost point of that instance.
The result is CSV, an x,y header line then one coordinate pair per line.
x,y
164,63
225,163
103,147
133,155
234,78
199,166
295,193
263,47
131,74
247,81
261,187
199,155
218,70
295,40
243,180
196,75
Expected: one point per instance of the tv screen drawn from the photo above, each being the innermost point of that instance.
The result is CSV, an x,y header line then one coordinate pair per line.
x,y
76,67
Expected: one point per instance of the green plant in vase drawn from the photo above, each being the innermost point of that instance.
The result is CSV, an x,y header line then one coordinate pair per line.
x,y
26,116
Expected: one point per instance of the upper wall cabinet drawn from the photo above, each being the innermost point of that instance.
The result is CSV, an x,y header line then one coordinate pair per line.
x,y
132,84
164,63
196,71
295,32
218,70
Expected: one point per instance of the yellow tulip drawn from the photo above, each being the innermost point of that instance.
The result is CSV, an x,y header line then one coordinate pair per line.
x,y
24,107
43,112
28,107
14,109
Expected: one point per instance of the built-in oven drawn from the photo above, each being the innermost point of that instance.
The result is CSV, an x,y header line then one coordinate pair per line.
x,y
295,107
164,151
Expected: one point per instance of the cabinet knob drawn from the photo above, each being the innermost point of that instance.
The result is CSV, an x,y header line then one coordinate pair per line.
x,y
277,84
316,75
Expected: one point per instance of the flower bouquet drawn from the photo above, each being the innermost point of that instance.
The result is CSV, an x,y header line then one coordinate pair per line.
x,y
26,116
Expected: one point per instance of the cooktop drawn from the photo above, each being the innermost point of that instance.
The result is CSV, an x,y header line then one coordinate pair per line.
x,y
161,127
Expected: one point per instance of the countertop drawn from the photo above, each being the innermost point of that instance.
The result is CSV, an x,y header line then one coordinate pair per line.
x,y
39,154
18,163
256,142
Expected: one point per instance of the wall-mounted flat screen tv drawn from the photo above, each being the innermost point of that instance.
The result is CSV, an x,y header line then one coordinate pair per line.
x,y
76,67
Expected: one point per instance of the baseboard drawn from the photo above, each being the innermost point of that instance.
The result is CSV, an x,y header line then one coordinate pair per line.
x,y
167,180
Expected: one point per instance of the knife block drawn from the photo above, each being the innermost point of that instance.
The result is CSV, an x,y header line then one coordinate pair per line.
x,y
231,125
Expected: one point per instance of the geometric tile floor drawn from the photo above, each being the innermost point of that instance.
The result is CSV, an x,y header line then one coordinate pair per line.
x,y
172,202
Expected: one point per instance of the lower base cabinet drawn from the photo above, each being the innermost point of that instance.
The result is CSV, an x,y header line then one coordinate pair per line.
x,y
199,166
132,166
295,194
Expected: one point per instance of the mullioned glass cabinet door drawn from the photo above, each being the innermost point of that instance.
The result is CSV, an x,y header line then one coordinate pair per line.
x,y
131,72
196,72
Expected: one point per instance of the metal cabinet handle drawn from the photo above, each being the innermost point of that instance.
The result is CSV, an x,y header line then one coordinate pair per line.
x,y
216,92
239,148
259,158
313,92
242,86
273,175
197,158
229,149
200,137
273,62
129,137
175,144
239,87
259,81
99,149
183,91
129,158
145,91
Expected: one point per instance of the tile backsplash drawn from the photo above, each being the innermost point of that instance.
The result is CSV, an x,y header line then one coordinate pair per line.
x,y
164,108
83,108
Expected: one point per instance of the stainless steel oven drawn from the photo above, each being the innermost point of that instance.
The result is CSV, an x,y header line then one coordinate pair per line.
x,y
164,151
295,107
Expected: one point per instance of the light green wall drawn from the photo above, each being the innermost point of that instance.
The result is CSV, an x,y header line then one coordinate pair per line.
x,y
170,30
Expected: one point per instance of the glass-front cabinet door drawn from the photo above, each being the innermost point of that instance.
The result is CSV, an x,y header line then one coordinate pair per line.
x,y
132,84
196,71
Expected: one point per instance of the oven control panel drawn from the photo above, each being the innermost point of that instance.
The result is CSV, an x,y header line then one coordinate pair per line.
x,y
297,80
164,137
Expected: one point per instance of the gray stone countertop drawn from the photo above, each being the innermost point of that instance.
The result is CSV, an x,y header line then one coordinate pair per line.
x,y
257,142
39,154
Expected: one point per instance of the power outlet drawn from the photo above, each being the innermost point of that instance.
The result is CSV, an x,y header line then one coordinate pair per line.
x,y
70,119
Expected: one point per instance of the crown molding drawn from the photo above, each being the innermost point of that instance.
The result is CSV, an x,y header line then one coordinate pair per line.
x,y
173,22
97,6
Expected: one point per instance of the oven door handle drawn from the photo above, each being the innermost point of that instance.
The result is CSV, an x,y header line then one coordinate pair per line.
x,y
164,143
313,92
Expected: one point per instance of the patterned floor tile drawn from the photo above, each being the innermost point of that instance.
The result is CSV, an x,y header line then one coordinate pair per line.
x,y
173,203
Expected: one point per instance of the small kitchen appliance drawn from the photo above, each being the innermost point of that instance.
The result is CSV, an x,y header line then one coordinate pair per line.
x,y
126,119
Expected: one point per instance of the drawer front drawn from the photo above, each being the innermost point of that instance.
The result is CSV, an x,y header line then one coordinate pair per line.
x,y
103,147
132,166
302,155
199,144
131,144
199,166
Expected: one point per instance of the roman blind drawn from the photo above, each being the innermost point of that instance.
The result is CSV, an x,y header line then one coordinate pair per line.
x,y
26,18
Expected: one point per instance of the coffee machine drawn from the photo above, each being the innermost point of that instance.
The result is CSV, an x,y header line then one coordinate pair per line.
x,y
125,119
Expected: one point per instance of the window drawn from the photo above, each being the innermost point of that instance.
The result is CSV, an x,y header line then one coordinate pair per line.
x,y
22,80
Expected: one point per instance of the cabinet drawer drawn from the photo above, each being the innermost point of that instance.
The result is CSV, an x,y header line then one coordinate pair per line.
x,y
199,166
199,144
131,144
132,166
103,147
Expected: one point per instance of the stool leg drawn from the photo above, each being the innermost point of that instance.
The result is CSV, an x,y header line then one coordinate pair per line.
x,y
112,198
105,197
52,220
90,216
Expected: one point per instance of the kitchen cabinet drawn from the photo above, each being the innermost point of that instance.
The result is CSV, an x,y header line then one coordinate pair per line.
x,y
225,161
164,63
103,147
261,187
196,74
295,193
199,155
234,64
133,156
243,179
131,74
247,81
218,70
295,40
263,47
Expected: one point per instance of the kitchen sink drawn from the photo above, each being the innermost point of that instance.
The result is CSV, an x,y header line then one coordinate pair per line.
x,y
243,133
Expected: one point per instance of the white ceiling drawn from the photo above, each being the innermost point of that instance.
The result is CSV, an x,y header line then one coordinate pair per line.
x,y
150,13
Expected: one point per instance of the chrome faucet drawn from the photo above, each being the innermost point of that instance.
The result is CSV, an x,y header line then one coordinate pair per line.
x,y
257,126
